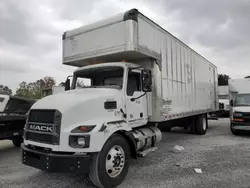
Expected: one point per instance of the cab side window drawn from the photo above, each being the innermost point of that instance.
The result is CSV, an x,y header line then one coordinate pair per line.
x,y
134,83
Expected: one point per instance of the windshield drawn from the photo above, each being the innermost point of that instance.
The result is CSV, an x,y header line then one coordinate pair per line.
x,y
223,96
242,100
18,106
102,77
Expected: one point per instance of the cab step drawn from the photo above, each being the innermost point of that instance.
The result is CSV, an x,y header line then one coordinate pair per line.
x,y
147,151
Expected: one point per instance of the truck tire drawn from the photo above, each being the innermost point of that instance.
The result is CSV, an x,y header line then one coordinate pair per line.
x,y
201,124
234,132
191,127
17,140
110,166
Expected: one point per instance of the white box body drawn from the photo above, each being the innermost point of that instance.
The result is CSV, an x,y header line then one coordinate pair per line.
x,y
184,82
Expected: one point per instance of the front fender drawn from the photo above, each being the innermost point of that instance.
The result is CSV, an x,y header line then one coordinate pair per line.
x,y
115,126
122,128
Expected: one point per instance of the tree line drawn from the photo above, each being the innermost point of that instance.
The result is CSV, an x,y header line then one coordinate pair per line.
x,y
32,90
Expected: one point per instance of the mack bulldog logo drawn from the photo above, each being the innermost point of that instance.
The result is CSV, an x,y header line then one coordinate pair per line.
x,y
41,128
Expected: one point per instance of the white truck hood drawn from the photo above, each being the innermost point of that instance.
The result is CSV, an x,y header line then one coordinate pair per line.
x,y
67,100
83,106
241,109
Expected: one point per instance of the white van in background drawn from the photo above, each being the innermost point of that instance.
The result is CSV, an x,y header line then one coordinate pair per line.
x,y
224,106
239,96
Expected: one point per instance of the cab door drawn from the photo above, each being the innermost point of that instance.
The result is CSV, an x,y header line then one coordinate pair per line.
x,y
136,101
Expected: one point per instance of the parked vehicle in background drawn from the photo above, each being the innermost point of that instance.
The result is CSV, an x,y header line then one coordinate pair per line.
x,y
239,95
13,112
224,106
140,77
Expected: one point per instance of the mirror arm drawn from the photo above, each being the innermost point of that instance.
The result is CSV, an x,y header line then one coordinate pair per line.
x,y
133,99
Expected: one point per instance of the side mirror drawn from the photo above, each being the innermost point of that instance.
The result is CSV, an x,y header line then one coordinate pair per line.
x,y
67,84
231,103
146,80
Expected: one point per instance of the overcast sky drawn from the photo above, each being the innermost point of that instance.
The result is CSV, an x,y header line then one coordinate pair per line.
x,y
30,32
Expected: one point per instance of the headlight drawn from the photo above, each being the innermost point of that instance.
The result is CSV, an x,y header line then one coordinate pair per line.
x,y
81,141
237,114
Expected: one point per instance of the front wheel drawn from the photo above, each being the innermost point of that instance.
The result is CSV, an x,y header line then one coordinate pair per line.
x,y
235,132
17,140
110,166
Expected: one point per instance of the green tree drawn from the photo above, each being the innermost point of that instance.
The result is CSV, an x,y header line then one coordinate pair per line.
x,y
223,79
34,90
5,90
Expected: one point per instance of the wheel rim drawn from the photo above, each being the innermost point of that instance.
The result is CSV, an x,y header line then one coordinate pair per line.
x,y
115,161
204,124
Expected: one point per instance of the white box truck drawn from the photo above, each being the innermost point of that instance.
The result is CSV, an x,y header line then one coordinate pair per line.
x,y
224,106
239,95
140,77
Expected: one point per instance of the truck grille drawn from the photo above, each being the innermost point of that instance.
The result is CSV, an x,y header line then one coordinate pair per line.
x,y
245,116
43,126
42,116
43,138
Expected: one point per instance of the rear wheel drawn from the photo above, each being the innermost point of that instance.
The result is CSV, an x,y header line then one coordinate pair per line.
x,y
110,166
201,124
17,140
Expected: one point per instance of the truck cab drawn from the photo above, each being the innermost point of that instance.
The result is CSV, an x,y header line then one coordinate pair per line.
x,y
116,92
239,105
13,112
75,126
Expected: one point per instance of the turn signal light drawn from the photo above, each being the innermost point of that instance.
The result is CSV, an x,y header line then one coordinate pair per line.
x,y
238,119
84,128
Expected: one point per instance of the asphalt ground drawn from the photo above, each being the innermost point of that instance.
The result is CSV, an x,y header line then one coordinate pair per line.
x,y
223,158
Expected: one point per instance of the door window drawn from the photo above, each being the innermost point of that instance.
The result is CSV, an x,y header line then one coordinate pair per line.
x,y
134,83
